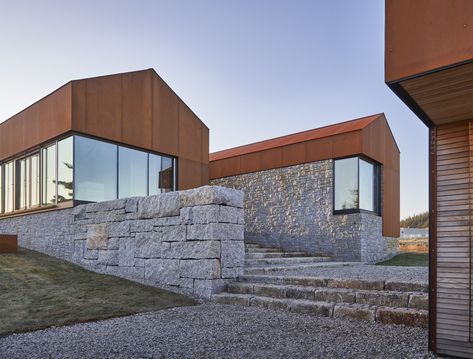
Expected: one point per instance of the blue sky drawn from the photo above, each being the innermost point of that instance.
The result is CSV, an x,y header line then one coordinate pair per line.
x,y
250,69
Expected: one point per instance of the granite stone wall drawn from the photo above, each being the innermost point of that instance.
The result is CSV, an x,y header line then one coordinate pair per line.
x,y
189,242
292,208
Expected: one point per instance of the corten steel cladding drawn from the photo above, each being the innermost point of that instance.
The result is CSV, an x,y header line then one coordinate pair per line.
x,y
369,136
425,35
137,109
8,243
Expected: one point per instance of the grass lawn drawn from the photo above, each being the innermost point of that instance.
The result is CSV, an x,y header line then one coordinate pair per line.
x,y
38,291
408,259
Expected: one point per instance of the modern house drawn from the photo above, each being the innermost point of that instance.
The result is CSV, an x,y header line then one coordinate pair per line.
x,y
429,65
89,174
100,139
332,190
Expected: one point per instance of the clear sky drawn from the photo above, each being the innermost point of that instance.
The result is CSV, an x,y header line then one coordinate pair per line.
x,y
250,69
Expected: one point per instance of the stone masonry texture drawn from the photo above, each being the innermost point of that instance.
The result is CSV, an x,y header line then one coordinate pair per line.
x,y
189,242
292,208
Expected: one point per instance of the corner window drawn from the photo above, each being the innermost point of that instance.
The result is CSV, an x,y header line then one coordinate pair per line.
x,y
356,186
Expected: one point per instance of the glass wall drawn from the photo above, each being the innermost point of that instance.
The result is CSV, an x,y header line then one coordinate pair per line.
x,y
95,170
9,186
65,169
132,172
357,185
161,174
346,183
32,173
83,169
49,174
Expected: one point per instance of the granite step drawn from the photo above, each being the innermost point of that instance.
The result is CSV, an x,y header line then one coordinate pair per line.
x,y
284,260
351,311
250,255
414,300
365,284
263,250
268,269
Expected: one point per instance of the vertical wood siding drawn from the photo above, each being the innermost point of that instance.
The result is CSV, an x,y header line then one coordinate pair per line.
x,y
454,196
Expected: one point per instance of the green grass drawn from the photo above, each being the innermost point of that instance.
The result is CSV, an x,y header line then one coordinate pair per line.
x,y
408,260
38,291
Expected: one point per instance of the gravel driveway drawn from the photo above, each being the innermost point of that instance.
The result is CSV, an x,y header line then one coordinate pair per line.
x,y
219,331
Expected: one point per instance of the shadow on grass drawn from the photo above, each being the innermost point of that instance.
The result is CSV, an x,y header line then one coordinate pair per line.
x,y
38,291
409,259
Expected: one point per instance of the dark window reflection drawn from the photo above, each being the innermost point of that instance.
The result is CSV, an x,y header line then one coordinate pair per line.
x,y
166,177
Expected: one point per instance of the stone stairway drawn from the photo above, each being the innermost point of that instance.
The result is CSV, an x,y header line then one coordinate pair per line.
x,y
261,260
383,301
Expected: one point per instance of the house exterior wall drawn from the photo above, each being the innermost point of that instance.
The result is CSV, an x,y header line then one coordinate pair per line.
x,y
136,109
425,35
369,136
190,241
292,208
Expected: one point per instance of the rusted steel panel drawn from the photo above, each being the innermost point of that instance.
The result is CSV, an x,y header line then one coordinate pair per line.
x,y
38,123
189,174
425,35
165,118
322,132
271,158
8,243
250,162
319,149
137,104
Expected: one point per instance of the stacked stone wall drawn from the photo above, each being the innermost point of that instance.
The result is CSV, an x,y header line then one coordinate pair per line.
x,y
292,208
189,242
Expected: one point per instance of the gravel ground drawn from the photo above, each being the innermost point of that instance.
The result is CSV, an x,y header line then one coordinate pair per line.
x,y
219,331
363,271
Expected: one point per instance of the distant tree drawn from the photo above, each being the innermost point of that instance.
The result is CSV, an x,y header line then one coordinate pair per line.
x,y
420,220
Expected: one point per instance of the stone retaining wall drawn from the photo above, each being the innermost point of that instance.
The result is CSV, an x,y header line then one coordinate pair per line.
x,y
189,241
292,208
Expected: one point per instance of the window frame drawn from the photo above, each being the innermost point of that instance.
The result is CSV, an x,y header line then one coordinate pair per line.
x,y
377,188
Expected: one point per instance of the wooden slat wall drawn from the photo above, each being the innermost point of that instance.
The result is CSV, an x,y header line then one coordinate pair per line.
x,y
454,144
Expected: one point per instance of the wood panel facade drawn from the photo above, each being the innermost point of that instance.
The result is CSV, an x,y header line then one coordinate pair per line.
x,y
369,136
454,165
137,109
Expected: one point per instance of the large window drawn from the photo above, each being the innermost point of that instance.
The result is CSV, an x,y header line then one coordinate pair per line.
x,y
357,185
84,169
65,169
132,172
49,174
8,187
161,174
95,170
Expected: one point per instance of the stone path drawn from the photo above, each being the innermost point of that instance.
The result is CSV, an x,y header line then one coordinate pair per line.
x,y
219,331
